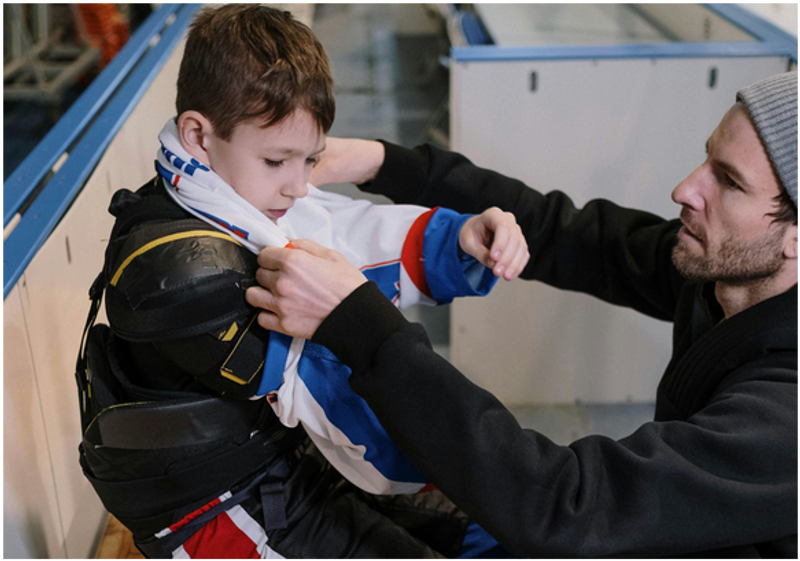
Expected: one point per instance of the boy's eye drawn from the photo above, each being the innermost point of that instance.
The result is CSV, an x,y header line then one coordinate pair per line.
x,y
312,161
274,163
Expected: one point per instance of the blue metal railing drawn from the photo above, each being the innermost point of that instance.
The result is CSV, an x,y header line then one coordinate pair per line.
x,y
769,41
666,50
97,115
763,30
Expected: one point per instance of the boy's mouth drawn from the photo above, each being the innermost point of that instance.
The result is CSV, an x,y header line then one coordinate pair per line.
x,y
276,213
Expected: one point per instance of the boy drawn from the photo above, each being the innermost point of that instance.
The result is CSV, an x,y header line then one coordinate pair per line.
x,y
195,474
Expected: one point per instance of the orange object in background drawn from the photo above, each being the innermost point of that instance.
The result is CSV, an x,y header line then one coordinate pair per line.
x,y
106,27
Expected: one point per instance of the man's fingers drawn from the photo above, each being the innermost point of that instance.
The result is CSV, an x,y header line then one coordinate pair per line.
x,y
260,297
269,321
272,257
311,247
276,258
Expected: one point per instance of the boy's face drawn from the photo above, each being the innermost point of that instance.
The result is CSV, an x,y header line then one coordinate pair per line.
x,y
268,167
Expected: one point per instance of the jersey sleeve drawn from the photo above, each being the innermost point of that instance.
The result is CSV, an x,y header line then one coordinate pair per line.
x,y
410,252
306,384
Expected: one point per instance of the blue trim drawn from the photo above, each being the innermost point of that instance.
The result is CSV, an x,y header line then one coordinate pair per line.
x,y
21,183
274,363
752,23
327,381
51,204
448,275
485,53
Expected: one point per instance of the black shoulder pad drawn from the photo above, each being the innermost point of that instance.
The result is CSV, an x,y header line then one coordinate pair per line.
x,y
175,279
175,285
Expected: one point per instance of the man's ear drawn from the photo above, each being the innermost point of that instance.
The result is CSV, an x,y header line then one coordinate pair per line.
x,y
195,132
790,242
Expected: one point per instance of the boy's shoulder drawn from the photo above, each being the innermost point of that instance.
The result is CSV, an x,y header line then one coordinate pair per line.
x,y
163,261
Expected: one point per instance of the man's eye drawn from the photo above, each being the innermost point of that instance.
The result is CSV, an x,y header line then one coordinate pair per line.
x,y
312,161
274,163
730,182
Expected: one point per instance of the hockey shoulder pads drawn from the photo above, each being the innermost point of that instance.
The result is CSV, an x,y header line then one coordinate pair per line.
x,y
177,283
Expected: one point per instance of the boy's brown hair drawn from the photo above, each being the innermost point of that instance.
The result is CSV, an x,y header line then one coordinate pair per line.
x,y
245,60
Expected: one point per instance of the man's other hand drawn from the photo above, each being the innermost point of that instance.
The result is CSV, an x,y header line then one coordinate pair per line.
x,y
495,239
301,286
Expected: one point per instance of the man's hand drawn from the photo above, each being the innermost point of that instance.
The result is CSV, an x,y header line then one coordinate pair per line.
x,y
495,239
301,286
348,160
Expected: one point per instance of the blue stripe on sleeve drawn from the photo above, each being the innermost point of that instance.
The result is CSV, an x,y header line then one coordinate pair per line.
x,y
326,378
450,276
274,362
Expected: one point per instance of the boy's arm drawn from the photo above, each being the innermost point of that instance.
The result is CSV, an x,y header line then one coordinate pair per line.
x,y
411,253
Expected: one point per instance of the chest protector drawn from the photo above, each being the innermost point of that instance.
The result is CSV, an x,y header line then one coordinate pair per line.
x,y
156,446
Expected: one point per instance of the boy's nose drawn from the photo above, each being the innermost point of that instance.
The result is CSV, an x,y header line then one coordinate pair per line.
x,y
297,186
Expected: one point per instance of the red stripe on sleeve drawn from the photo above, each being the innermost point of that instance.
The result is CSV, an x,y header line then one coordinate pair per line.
x,y
411,257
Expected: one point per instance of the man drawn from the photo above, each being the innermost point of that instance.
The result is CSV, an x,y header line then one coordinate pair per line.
x,y
715,473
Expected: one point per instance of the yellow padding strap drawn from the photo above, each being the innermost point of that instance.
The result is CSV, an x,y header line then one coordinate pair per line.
x,y
227,372
231,333
166,239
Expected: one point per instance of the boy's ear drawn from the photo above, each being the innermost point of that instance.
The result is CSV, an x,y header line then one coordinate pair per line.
x,y
195,132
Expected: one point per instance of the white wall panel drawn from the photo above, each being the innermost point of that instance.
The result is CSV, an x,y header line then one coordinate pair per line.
x,y
31,520
625,130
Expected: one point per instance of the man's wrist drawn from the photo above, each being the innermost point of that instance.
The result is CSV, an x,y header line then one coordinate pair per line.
x,y
358,326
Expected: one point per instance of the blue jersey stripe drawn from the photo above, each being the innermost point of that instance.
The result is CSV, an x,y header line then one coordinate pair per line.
x,y
327,380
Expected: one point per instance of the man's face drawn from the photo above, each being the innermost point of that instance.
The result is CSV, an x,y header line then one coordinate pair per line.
x,y
268,167
727,234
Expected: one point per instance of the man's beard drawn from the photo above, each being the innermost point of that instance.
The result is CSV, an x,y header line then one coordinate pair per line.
x,y
734,262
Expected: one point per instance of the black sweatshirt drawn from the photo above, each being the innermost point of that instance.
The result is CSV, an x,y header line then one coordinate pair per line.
x,y
715,473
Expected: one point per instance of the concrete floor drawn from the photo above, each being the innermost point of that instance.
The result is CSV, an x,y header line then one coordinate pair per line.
x,y
390,85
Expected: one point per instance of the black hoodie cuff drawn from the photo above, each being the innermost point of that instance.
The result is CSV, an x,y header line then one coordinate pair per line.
x,y
356,328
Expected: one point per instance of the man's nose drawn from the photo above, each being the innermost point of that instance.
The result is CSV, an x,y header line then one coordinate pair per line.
x,y
689,192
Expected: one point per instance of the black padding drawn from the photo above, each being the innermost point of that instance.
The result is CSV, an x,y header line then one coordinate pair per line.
x,y
177,279
160,424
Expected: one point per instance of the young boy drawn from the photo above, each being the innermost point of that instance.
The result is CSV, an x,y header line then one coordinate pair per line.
x,y
179,443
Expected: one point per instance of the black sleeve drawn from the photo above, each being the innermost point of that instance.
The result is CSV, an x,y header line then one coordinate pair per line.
x,y
726,477
620,255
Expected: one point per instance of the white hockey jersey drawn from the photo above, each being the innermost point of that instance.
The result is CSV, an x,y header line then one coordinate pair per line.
x,y
412,254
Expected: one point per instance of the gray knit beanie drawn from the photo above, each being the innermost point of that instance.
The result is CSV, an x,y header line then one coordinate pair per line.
x,y
773,107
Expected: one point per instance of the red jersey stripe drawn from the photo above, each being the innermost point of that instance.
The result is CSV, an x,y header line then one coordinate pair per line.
x,y
411,258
